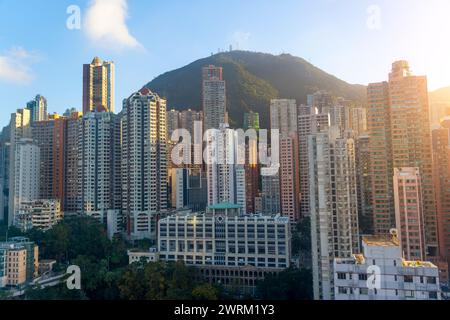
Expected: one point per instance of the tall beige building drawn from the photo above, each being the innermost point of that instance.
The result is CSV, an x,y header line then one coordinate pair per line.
x,y
400,136
98,86
283,117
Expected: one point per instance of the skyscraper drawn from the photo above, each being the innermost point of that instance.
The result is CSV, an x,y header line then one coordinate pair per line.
x,y
441,157
409,212
19,127
72,162
98,86
333,205
99,176
144,162
364,183
308,123
283,117
400,136
214,97
38,108
4,173
26,174
226,176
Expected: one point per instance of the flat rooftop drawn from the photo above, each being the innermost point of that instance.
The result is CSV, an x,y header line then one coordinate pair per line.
x,y
381,241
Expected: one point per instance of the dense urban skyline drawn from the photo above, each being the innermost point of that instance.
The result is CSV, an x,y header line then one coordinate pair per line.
x,y
340,192
361,48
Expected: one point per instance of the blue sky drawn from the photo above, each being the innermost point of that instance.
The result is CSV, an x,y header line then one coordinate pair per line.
x,y
356,40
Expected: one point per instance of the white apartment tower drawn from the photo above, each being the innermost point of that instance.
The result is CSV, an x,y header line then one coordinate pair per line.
x,y
308,124
99,186
19,129
333,205
225,173
144,162
26,173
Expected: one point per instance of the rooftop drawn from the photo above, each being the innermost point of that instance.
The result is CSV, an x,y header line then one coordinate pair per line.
x,y
224,205
381,241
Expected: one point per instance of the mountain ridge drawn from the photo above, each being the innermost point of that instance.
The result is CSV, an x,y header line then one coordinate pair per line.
x,y
252,79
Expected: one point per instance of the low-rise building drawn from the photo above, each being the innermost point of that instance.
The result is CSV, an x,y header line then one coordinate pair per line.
x,y
151,255
38,214
224,242
381,273
18,262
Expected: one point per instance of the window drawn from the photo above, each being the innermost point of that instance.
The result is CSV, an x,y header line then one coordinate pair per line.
x,y
409,294
431,280
364,291
362,277
342,290
342,276
409,279
433,295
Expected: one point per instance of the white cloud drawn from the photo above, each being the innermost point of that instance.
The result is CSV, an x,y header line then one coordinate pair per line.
x,y
240,39
105,24
15,66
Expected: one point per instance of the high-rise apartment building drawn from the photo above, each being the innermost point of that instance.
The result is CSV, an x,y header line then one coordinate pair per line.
x,y
283,117
381,170
98,86
71,199
173,122
333,205
441,158
19,127
99,177
400,136
320,99
309,123
364,183
409,212
144,162
270,194
226,176
214,97
4,173
38,108
26,174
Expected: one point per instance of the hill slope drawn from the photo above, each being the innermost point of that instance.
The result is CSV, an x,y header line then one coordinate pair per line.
x,y
252,80
440,95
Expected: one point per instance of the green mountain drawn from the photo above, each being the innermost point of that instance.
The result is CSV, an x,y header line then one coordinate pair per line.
x,y
252,80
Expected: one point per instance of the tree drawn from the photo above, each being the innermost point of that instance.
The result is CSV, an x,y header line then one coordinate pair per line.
x,y
205,292
290,284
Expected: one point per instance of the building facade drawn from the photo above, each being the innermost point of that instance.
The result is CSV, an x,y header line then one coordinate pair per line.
x,y
38,214
38,109
333,205
214,98
144,162
399,279
224,241
409,212
400,136
98,86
